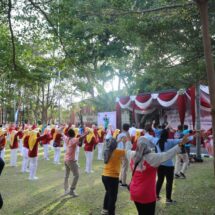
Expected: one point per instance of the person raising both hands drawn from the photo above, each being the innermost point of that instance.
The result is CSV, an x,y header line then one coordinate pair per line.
x,y
144,165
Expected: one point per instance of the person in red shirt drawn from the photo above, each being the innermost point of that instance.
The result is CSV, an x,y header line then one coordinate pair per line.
x,y
33,142
14,146
90,142
101,135
3,134
57,144
45,142
134,139
25,148
144,165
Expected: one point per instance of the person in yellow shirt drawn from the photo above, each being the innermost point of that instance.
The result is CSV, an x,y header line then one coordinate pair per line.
x,y
110,176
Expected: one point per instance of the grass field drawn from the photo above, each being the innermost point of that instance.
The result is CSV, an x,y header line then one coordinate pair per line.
x,y
195,195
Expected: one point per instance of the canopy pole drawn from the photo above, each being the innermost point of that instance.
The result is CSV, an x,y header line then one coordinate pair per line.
x,y
198,122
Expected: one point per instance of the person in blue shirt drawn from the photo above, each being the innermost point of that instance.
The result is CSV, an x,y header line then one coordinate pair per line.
x,y
187,145
157,129
166,169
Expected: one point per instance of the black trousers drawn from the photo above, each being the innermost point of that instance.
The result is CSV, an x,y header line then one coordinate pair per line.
x,y
168,173
1,168
111,188
1,201
145,209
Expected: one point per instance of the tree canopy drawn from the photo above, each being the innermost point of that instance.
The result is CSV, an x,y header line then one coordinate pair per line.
x,y
52,49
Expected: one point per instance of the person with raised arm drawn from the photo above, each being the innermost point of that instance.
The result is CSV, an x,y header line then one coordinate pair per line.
x,y
70,161
144,164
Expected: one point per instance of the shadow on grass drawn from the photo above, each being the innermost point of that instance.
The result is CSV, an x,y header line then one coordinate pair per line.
x,y
58,203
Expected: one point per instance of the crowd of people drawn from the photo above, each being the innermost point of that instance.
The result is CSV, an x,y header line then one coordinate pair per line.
x,y
149,152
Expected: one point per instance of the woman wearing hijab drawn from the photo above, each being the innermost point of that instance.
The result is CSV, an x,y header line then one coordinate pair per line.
x,y
144,165
110,176
89,145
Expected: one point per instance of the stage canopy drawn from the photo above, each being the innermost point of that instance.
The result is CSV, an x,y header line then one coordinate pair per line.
x,y
148,102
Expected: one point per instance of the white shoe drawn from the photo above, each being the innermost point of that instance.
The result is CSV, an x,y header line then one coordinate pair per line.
x,y
66,192
35,178
91,171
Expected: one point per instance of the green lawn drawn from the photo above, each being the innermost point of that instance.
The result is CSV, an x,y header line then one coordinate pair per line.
x,y
195,195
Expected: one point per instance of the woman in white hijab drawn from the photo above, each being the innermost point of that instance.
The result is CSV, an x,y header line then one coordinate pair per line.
x,y
144,165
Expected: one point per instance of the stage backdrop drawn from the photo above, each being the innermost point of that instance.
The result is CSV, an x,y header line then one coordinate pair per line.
x,y
110,115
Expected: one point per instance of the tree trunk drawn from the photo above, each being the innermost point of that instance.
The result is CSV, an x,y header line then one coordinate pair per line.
x,y
198,122
203,7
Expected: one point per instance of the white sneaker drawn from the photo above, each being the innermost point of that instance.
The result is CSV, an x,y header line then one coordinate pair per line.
x,y
66,192
35,178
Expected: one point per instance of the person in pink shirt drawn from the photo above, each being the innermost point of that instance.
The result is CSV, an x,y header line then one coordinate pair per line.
x,y
144,165
71,163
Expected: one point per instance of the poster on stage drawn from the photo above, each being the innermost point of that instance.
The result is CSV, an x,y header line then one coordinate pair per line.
x,y
106,118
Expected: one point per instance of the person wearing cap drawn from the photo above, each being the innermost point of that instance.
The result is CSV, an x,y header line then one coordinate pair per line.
x,y
57,144
144,165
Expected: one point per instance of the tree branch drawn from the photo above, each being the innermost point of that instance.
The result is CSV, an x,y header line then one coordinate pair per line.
x,y
12,35
121,12
37,7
